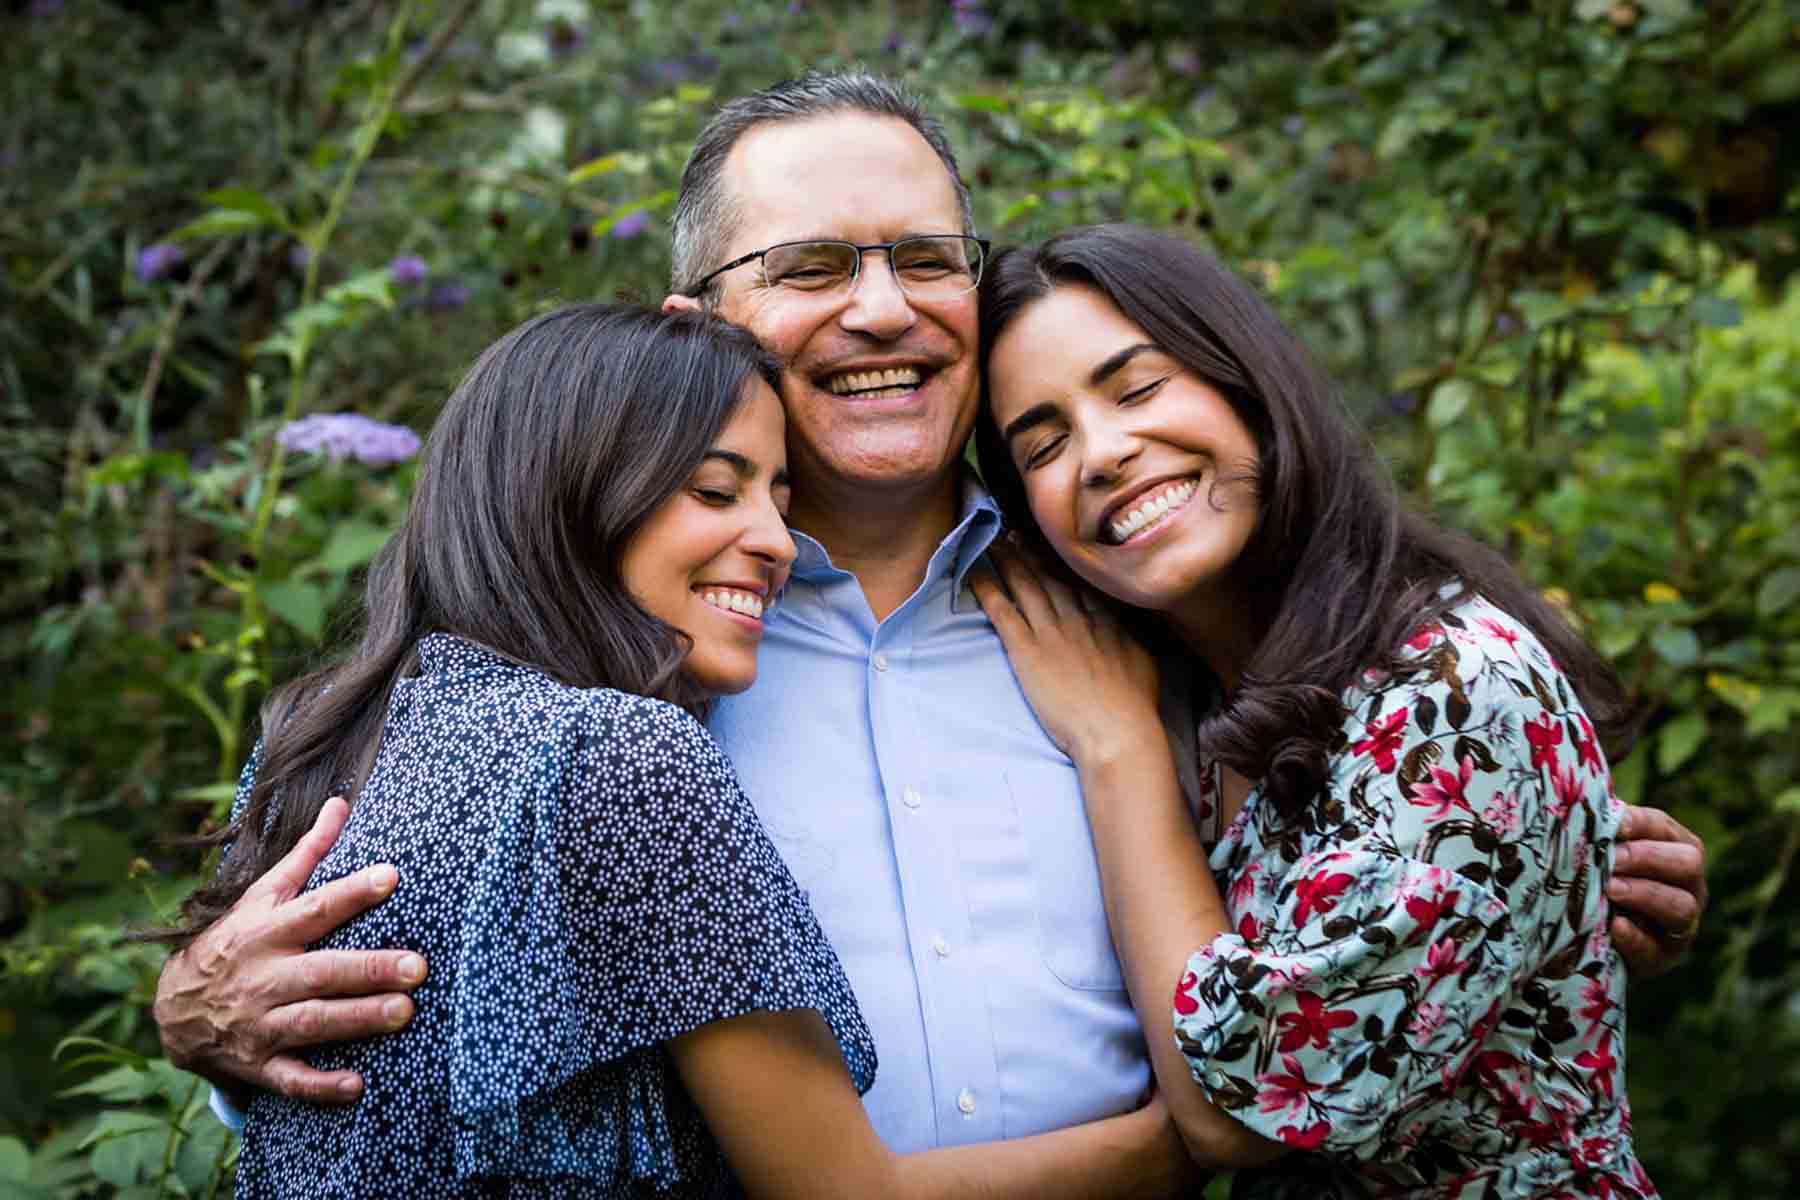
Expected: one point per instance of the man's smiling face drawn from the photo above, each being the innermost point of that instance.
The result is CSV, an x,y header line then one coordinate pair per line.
x,y
880,389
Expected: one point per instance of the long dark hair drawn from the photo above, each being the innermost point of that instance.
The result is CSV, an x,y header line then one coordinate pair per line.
x,y
564,436
1340,571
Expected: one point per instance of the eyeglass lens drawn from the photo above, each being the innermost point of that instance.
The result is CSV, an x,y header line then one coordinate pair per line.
x,y
925,266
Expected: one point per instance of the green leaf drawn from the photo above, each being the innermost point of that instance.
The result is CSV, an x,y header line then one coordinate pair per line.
x,y
1718,312
981,103
220,222
299,603
1676,645
1678,741
15,1160
210,793
1449,402
242,199
121,1085
351,544
1778,592
127,468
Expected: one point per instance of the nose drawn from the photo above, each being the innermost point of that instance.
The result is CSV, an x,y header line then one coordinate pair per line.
x,y
766,537
1107,449
877,306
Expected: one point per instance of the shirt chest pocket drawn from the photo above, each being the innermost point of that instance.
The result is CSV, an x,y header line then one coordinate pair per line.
x,y
1071,912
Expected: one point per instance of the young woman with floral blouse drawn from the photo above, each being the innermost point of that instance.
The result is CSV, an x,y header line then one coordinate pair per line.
x,y
1386,933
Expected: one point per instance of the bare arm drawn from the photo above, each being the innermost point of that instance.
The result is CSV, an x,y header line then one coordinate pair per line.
x,y
242,996
1094,690
773,1089
1658,890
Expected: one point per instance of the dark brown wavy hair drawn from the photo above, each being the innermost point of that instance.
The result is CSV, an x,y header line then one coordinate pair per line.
x,y
1339,570
564,436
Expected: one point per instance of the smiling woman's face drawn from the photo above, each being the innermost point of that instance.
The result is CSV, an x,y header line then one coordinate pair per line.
x,y
1122,451
710,559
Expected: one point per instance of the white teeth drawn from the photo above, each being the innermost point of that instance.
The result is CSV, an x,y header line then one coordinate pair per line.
x,y
734,601
1153,508
869,381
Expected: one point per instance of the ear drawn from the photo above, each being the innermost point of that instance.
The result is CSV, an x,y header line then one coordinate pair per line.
x,y
674,304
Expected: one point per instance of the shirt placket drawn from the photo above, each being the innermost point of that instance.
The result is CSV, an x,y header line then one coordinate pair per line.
x,y
959,1042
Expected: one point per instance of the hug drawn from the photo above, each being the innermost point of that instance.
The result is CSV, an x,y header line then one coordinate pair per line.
x,y
753,801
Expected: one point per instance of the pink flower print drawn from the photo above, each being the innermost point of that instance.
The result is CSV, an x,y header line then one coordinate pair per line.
x,y
1427,911
1588,747
1565,781
1446,789
1285,1091
1319,894
1424,635
1243,888
1505,633
1440,962
1310,1138
1313,1024
1502,813
1385,737
1426,1019
1545,735
1247,929
1597,1001
1601,1062
1185,1004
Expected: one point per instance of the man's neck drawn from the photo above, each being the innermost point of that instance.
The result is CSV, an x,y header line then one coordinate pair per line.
x,y
886,538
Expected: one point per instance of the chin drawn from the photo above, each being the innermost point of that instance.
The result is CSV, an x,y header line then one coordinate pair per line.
x,y
722,679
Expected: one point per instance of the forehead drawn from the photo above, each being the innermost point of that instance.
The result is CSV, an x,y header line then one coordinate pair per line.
x,y
853,176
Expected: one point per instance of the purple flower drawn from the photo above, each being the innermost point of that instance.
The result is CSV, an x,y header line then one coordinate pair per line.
x,y
46,8
1060,196
299,256
447,296
892,42
407,270
158,259
970,17
349,435
631,224
1403,402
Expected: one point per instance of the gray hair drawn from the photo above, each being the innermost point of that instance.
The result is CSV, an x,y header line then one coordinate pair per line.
x,y
706,214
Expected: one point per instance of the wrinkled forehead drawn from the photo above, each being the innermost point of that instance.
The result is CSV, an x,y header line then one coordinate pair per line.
x,y
848,176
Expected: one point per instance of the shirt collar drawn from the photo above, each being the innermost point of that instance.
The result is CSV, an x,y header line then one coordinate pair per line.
x,y
977,526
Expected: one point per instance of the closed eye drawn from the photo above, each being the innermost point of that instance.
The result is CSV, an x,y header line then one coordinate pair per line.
x,y
1143,393
715,497
1044,451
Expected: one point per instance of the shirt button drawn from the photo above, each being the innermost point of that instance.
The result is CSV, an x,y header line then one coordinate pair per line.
x,y
965,1101
942,947
911,798
881,662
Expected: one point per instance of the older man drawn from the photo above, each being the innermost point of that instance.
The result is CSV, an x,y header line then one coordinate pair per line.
x,y
939,833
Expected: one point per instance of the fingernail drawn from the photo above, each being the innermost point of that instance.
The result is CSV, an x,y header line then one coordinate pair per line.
x,y
412,969
395,1012
350,1089
383,879
1621,854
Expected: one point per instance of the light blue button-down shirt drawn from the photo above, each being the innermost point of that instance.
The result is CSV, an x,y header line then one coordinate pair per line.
x,y
942,839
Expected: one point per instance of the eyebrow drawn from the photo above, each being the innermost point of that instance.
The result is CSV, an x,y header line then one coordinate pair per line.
x,y
742,466
1037,414
1115,363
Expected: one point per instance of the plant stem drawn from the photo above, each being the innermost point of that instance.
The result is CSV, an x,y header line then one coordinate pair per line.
x,y
252,646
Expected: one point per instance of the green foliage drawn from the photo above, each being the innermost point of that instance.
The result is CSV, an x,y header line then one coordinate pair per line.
x,y
1546,248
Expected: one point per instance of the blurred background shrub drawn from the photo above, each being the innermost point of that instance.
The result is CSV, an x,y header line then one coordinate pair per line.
x,y
1546,246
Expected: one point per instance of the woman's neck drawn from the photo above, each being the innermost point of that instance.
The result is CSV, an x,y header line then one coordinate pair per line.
x,y
1221,625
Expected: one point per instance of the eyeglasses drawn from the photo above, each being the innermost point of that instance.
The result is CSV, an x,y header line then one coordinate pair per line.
x,y
936,267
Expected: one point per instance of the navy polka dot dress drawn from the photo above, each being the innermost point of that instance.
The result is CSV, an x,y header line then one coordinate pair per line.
x,y
587,881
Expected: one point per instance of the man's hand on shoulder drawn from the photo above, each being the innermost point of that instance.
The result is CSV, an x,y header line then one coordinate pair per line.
x,y
236,1002
1658,890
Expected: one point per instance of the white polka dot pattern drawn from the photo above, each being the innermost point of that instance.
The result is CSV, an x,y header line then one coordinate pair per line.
x,y
587,881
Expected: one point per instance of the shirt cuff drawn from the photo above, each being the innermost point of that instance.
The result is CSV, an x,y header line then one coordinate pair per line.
x,y
227,1113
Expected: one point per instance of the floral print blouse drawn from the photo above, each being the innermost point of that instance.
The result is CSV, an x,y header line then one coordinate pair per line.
x,y
1419,994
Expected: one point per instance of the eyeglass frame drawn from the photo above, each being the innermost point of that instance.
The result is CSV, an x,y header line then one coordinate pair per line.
x,y
855,272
